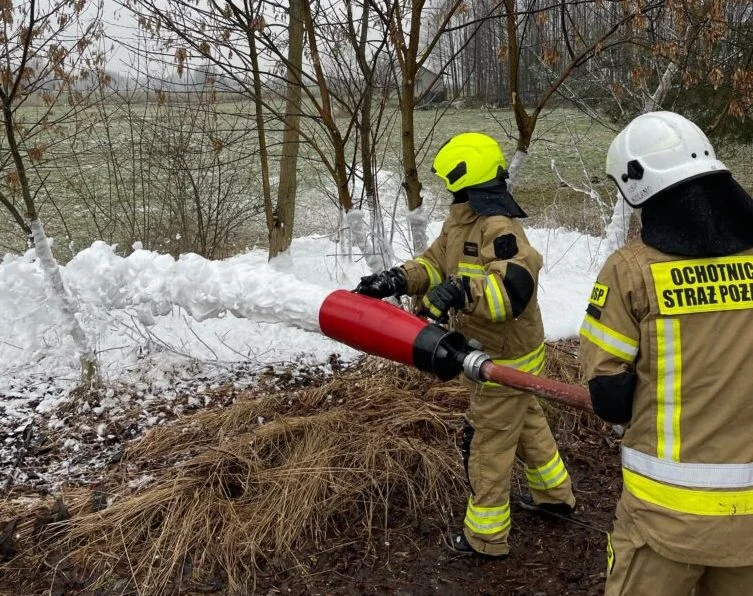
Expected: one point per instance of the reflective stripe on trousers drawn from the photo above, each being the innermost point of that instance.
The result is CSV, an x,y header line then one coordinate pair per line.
x,y
548,476
487,520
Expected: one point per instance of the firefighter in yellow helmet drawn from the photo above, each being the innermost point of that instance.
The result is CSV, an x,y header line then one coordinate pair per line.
x,y
483,270
666,344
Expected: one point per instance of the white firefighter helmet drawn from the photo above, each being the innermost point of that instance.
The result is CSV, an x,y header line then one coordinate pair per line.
x,y
656,151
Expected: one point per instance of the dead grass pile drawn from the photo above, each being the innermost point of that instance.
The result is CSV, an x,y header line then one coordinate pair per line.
x,y
562,362
259,484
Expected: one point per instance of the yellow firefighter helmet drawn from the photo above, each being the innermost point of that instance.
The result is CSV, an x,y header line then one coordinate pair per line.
x,y
469,159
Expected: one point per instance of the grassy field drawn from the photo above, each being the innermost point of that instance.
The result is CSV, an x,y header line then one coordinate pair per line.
x,y
115,182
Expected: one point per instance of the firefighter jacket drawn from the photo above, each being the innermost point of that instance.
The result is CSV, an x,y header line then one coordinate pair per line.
x,y
680,327
501,271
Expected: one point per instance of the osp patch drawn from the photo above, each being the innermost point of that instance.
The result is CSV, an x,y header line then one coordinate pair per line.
x,y
599,295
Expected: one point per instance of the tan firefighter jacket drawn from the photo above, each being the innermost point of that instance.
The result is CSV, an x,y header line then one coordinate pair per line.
x,y
685,327
502,268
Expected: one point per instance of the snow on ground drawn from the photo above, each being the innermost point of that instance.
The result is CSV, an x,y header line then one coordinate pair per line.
x,y
168,332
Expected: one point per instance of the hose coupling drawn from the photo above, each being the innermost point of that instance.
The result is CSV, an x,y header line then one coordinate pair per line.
x,y
472,365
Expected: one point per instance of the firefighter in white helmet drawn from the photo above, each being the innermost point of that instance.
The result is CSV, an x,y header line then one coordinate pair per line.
x,y
666,345
483,270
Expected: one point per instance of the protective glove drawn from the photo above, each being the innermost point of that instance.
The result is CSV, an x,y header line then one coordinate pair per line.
x,y
451,293
380,285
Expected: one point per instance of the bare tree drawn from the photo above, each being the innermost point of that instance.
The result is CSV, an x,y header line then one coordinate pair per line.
x,y
560,65
405,23
47,52
262,59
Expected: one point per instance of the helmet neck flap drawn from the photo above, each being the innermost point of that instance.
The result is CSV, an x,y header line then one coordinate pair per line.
x,y
703,217
490,198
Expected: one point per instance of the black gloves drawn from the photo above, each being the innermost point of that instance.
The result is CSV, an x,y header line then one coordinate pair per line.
x,y
380,285
451,293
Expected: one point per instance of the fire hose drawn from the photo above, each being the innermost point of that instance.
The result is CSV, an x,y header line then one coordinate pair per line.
x,y
382,329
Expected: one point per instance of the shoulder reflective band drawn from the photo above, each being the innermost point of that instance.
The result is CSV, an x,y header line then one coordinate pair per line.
x,y
470,270
688,474
548,476
495,299
668,388
487,520
608,339
435,277
688,500
704,285
598,295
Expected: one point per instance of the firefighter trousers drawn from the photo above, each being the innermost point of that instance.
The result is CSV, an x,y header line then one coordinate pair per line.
x,y
502,424
635,569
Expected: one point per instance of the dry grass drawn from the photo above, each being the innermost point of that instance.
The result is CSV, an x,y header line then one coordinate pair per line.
x,y
562,362
258,484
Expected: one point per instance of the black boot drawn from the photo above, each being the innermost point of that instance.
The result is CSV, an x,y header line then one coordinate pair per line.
x,y
556,509
461,546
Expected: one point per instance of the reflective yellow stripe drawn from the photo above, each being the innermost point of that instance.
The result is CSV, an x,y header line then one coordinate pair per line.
x,y
533,363
548,476
435,277
495,299
610,554
432,309
487,520
668,389
608,339
471,269
688,500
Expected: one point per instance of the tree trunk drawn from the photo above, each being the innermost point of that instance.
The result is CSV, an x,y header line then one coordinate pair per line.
x,y
261,130
378,252
67,305
281,234
411,183
516,164
369,182
327,115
